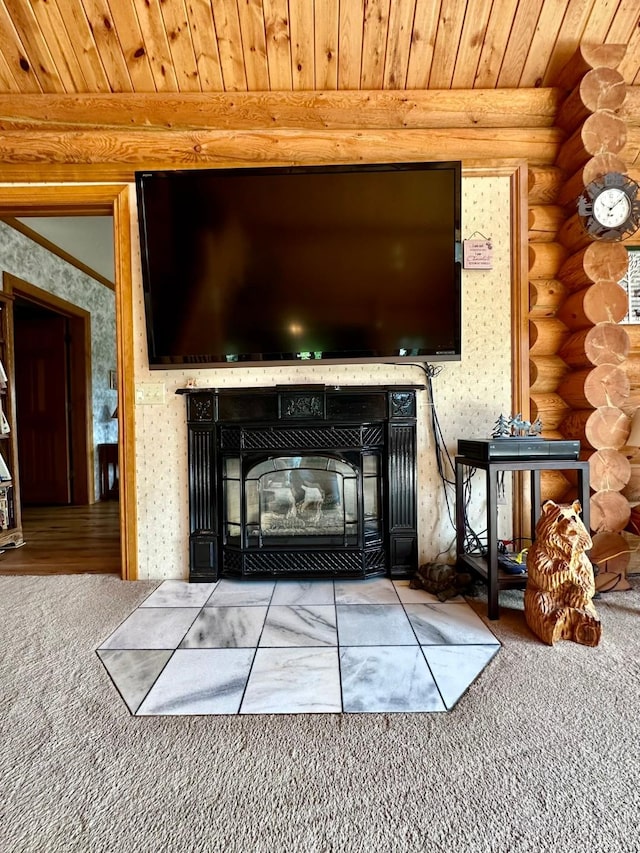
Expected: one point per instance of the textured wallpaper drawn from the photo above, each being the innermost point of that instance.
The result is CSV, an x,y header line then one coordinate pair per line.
x,y
34,264
468,395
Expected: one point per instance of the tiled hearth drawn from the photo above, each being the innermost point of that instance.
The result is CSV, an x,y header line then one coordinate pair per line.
x,y
287,647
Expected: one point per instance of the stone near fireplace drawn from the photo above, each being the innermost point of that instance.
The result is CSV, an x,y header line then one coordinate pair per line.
x,y
302,481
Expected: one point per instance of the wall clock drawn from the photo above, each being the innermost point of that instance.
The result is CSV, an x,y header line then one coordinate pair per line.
x,y
609,207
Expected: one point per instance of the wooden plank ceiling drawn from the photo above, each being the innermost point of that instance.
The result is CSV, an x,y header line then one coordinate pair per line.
x,y
98,88
206,46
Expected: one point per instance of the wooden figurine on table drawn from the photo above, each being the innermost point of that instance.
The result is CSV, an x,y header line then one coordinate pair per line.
x,y
560,586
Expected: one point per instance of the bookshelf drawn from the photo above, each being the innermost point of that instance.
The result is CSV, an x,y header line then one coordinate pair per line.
x,y
10,516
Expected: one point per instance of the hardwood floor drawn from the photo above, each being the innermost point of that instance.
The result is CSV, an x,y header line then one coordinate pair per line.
x,y
67,540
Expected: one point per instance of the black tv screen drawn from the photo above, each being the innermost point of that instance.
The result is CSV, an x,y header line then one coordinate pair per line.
x,y
290,264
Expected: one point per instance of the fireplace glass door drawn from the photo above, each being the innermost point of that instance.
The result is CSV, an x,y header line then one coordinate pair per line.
x,y
302,500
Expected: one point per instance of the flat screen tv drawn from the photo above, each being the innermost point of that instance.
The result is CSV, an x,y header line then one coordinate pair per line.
x,y
285,265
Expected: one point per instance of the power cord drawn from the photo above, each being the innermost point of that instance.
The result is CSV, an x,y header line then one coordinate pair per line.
x,y
446,468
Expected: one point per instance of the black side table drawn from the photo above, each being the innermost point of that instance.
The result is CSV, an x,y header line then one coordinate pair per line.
x,y
487,565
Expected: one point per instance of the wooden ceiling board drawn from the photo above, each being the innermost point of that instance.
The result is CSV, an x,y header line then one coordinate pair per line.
x,y
108,44
278,40
60,46
8,82
598,20
445,51
76,24
42,62
303,69
156,43
15,55
398,44
230,48
474,28
350,27
205,45
127,27
515,56
209,46
541,47
254,45
423,40
629,65
176,23
374,44
495,43
569,35
326,30
626,19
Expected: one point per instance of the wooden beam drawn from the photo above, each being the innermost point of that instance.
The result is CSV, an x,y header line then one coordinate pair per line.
x,y
102,155
386,109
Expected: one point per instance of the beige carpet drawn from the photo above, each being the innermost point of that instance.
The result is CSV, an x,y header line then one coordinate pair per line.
x,y
541,754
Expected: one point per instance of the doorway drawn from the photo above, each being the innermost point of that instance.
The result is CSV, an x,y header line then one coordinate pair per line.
x,y
112,200
64,529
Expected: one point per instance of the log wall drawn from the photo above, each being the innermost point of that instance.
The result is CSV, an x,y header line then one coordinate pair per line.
x,y
579,385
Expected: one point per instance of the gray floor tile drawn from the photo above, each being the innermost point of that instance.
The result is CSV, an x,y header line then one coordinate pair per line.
x,y
303,592
374,625
133,671
454,624
313,625
456,667
152,628
387,679
226,628
173,593
240,592
200,681
293,681
370,591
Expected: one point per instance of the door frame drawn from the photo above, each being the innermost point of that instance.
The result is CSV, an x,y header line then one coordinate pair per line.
x,y
104,200
82,462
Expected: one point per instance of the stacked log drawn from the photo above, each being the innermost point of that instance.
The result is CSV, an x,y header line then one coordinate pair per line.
x,y
579,386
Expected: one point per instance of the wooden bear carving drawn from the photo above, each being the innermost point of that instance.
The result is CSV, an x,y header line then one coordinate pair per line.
x,y
560,587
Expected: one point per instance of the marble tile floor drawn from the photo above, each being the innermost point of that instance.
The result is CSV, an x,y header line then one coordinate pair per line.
x,y
291,647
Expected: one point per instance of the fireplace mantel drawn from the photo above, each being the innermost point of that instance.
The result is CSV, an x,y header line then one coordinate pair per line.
x,y
360,440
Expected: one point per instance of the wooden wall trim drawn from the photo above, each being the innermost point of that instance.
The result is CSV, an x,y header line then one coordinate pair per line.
x,y
109,199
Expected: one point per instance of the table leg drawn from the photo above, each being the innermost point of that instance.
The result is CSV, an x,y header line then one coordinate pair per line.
x,y
492,544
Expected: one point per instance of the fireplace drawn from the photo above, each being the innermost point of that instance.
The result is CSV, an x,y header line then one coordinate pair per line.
x,y
310,481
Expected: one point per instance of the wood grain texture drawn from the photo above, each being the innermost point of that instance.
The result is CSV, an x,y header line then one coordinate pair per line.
x,y
499,108
275,45
167,149
67,540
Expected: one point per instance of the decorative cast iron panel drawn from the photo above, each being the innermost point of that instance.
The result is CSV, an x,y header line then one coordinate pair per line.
x,y
402,503
302,405
201,408
403,404
322,438
309,563
201,498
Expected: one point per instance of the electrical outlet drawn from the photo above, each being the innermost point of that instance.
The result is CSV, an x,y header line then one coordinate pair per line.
x,y
150,393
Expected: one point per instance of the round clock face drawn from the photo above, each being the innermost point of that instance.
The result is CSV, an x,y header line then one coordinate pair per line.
x,y
612,207
609,207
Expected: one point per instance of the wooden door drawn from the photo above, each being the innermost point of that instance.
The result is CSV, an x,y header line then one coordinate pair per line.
x,y
41,405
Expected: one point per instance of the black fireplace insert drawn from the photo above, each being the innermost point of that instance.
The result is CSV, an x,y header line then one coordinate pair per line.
x,y
302,481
